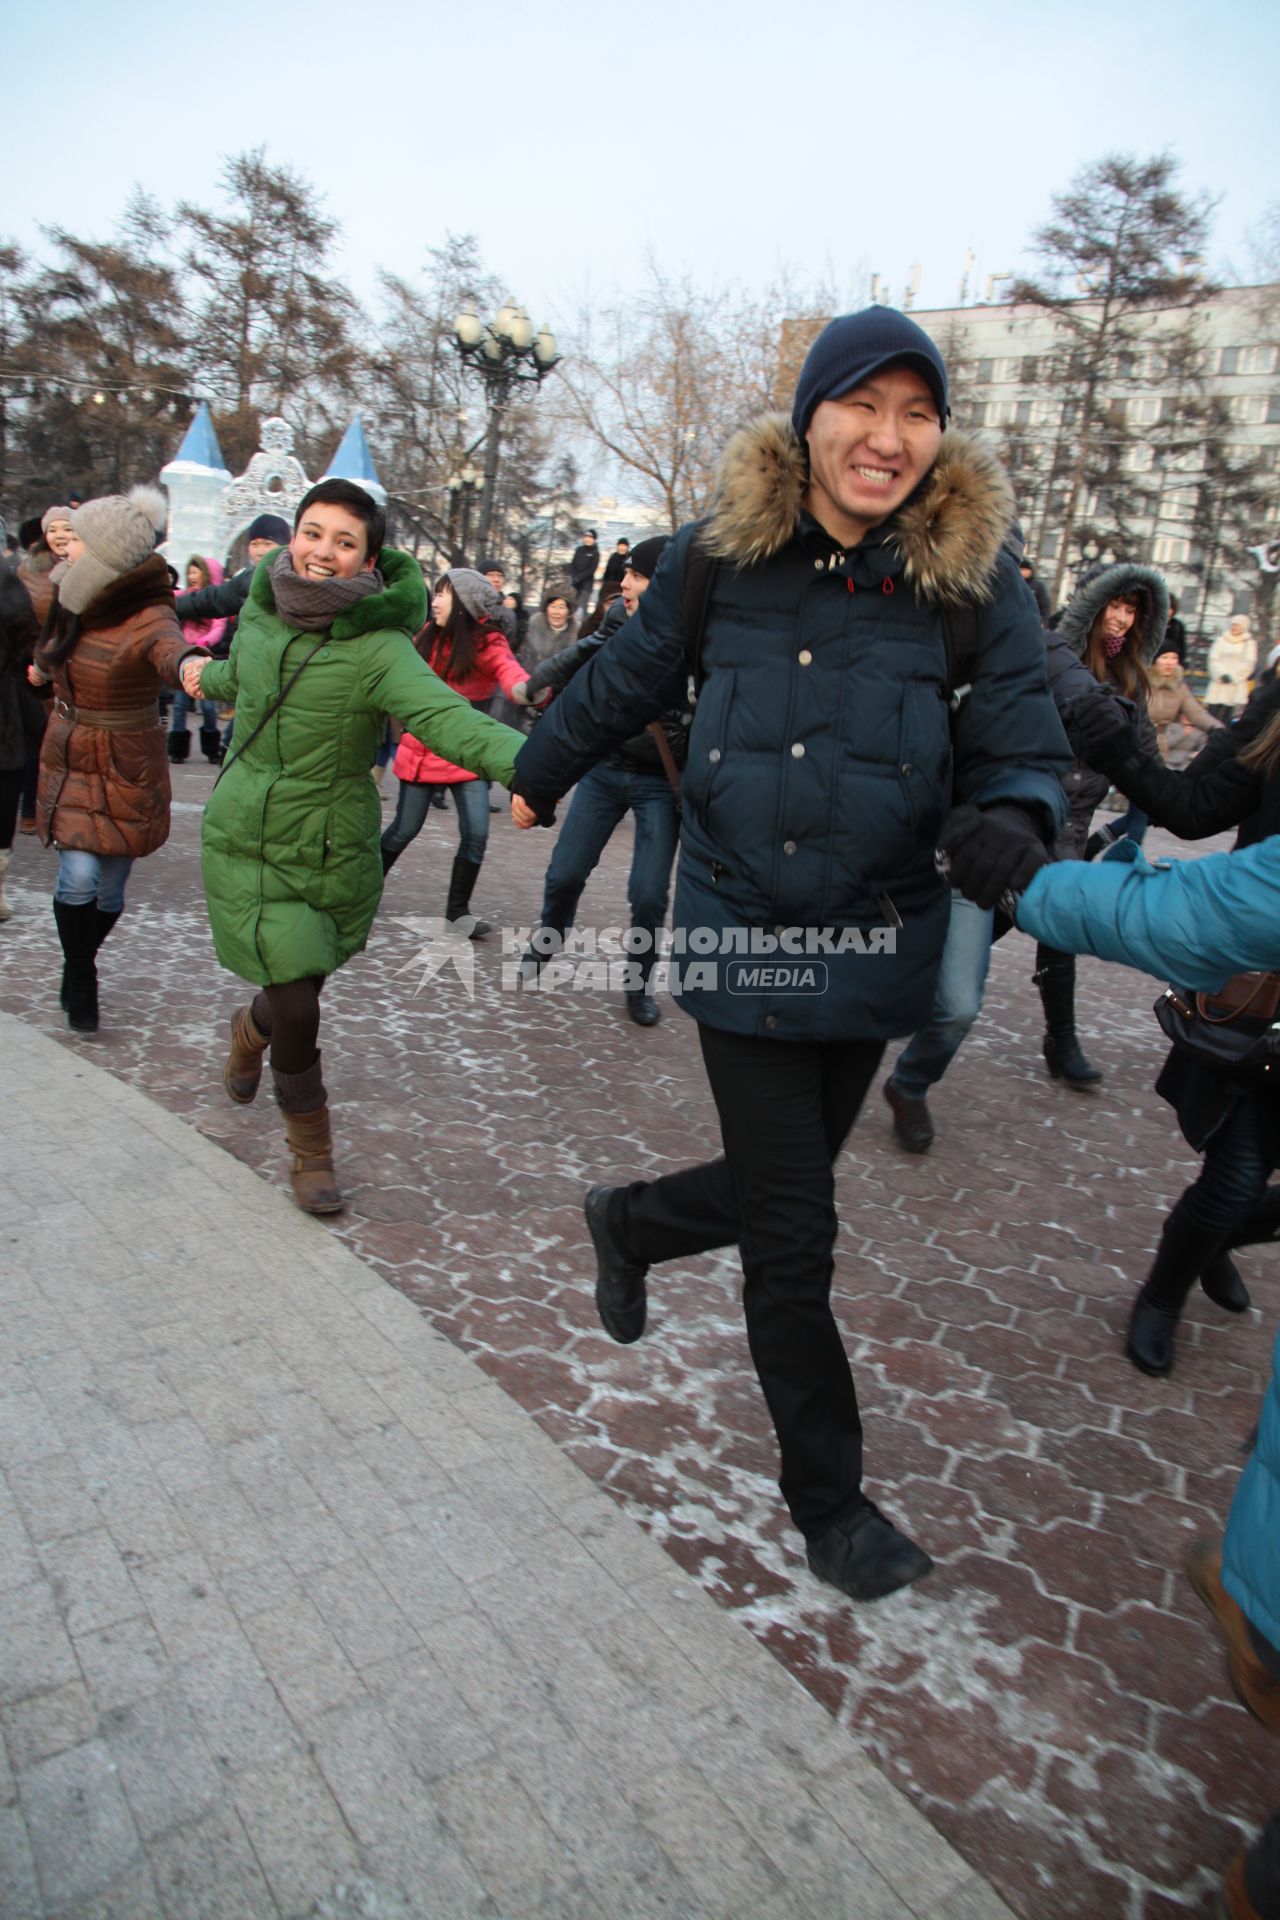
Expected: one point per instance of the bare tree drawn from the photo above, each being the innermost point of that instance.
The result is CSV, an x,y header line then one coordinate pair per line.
x,y
273,330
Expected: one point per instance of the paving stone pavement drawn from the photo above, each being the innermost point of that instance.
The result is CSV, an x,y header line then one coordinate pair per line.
x,y
1051,1699
302,1615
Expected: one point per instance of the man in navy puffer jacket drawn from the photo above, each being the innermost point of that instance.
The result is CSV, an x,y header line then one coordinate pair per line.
x,y
824,762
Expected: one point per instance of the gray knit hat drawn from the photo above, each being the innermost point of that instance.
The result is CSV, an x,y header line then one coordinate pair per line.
x,y
480,598
51,514
119,532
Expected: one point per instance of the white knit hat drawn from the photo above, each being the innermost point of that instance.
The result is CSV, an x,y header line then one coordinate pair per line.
x,y
119,532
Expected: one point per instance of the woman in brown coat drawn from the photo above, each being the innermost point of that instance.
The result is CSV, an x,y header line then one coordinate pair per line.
x,y
1171,699
104,779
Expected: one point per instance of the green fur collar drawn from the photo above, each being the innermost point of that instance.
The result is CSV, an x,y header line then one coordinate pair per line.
x,y
402,602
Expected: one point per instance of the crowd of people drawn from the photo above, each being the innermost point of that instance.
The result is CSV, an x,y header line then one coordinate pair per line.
x,y
843,699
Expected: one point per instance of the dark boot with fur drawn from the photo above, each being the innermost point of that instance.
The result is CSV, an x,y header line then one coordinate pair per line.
x,y
210,745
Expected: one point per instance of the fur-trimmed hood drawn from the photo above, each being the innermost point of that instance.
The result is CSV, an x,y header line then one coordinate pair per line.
x,y
1104,583
948,533
402,602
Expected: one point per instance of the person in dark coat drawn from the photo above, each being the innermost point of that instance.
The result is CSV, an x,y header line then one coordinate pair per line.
x,y
225,599
582,570
22,718
632,779
616,565
1233,782
824,761
1113,624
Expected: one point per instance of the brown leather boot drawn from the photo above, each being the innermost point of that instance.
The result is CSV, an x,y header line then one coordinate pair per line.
x,y
1255,1688
243,1069
306,1128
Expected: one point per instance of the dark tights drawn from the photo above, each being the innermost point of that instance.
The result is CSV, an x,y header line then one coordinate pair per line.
x,y
10,795
291,1015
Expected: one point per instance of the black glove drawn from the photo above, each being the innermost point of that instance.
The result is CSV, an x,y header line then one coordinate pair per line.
x,y
990,851
1102,732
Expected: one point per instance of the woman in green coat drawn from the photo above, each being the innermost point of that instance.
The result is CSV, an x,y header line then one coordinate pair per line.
x,y
292,869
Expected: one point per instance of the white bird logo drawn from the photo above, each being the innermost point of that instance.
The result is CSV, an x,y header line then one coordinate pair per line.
x,y
444,945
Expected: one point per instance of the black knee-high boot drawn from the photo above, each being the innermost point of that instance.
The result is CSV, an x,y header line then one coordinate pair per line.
x,y
1185,1250
78,932
389,857
210,743
457,911
1055,975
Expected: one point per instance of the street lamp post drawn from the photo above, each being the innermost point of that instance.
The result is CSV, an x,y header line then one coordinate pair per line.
x,y
501,352
463,488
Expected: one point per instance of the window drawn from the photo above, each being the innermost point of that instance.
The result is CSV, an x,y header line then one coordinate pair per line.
x,y
977,412
1022,413
1172,551
1273,410
1029,372
1144,412
985,373
1229,360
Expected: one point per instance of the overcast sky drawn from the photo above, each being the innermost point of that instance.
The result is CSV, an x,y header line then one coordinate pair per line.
x,y
730,142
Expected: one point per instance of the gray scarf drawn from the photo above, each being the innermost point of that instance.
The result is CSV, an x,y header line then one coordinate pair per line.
x,y
312,606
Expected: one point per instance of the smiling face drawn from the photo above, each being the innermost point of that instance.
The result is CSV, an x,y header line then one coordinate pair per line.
x,y
195,576
442,604
1118,618
329,544
557,614
868,450
57,534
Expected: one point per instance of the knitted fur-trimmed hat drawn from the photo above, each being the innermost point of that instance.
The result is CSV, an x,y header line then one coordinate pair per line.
x,y
119,532
478,595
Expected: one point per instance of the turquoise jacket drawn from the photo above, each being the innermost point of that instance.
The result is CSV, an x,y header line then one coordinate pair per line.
x,y
1195,922
1251,1551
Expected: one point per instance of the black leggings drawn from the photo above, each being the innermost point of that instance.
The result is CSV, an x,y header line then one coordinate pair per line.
x,y
10,795
291,1015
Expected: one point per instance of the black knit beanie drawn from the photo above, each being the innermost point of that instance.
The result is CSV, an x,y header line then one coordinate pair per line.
x,y
269,526
856,345
645,555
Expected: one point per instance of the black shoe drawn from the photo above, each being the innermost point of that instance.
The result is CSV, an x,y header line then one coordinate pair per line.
x,y
620,1294
865,1555
643,1008
1152,1331
210,744
912,1125
179,746
1222,1282
1066,1062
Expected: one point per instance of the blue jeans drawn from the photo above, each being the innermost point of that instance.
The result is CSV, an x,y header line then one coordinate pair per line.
x,y
470,797
1131,825
601,799
89,879
957,1000
182,705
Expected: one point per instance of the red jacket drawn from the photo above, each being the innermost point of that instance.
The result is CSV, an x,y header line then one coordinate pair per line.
x,y
496,670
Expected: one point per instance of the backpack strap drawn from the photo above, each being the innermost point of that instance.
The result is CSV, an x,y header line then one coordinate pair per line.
x,y
700,570
963,640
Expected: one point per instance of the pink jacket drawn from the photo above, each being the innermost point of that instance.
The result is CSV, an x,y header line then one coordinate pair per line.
x,y
496,670
205,633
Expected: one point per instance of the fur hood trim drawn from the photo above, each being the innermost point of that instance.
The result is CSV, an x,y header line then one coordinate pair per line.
x,y
1101,584
948,533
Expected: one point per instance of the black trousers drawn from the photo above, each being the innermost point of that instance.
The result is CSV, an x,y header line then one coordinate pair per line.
x,y
785,1111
